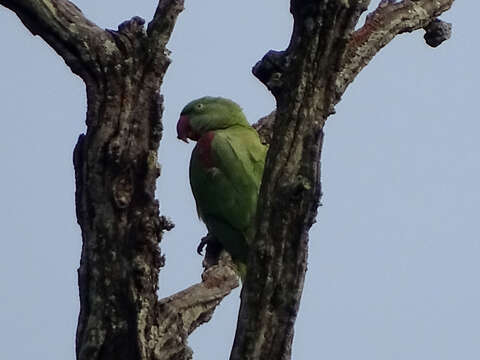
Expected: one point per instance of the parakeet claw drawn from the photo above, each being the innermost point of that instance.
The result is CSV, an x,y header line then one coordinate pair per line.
x,y
213,246
203,243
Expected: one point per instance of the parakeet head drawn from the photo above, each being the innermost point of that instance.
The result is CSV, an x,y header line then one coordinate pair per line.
x,y
206,114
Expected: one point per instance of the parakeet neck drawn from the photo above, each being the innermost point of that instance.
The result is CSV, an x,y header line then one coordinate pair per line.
x,y
204,146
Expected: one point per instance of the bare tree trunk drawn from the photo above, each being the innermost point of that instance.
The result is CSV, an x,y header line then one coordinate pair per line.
x,y
116,170
307,79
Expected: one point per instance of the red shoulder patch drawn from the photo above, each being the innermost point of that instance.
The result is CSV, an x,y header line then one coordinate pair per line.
x,y
205,149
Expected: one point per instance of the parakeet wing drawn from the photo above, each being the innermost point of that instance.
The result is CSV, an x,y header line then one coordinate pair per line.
x,y
225,183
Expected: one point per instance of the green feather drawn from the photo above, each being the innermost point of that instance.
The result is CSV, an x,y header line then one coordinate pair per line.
x,y
226,193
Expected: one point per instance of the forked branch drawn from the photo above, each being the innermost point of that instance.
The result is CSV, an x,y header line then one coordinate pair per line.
x,y
390,19
116,170
325,54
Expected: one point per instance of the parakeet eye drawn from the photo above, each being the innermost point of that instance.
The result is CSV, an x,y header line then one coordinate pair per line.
x,y
199,106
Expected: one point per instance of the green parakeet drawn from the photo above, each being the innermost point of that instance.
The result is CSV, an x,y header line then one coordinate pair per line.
x,y
226,170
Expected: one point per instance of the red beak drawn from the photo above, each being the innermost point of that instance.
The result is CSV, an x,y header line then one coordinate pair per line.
x,y
183,128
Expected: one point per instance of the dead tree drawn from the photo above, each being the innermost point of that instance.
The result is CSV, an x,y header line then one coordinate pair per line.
x,y
116,170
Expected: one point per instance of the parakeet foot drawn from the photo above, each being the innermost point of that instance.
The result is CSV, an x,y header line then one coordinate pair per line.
x,y
213,246
203,242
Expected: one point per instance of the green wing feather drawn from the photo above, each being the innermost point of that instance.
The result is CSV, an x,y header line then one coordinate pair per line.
x,y
226,194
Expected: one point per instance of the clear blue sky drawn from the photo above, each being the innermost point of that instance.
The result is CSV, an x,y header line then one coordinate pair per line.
x,y
394,257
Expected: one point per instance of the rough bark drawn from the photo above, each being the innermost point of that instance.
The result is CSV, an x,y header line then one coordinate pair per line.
x,y
381,26
307,79
116,170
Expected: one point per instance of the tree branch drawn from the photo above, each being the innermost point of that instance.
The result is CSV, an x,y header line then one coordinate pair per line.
x,y
307,80
62,25
264,127
186,310
116,170
381,26
196,304
161,26
302,80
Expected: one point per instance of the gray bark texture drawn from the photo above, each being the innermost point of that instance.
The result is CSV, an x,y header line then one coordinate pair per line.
x,y
116,170
324,56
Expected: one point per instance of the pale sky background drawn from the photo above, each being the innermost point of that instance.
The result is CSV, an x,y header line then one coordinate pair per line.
x,y
394,256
